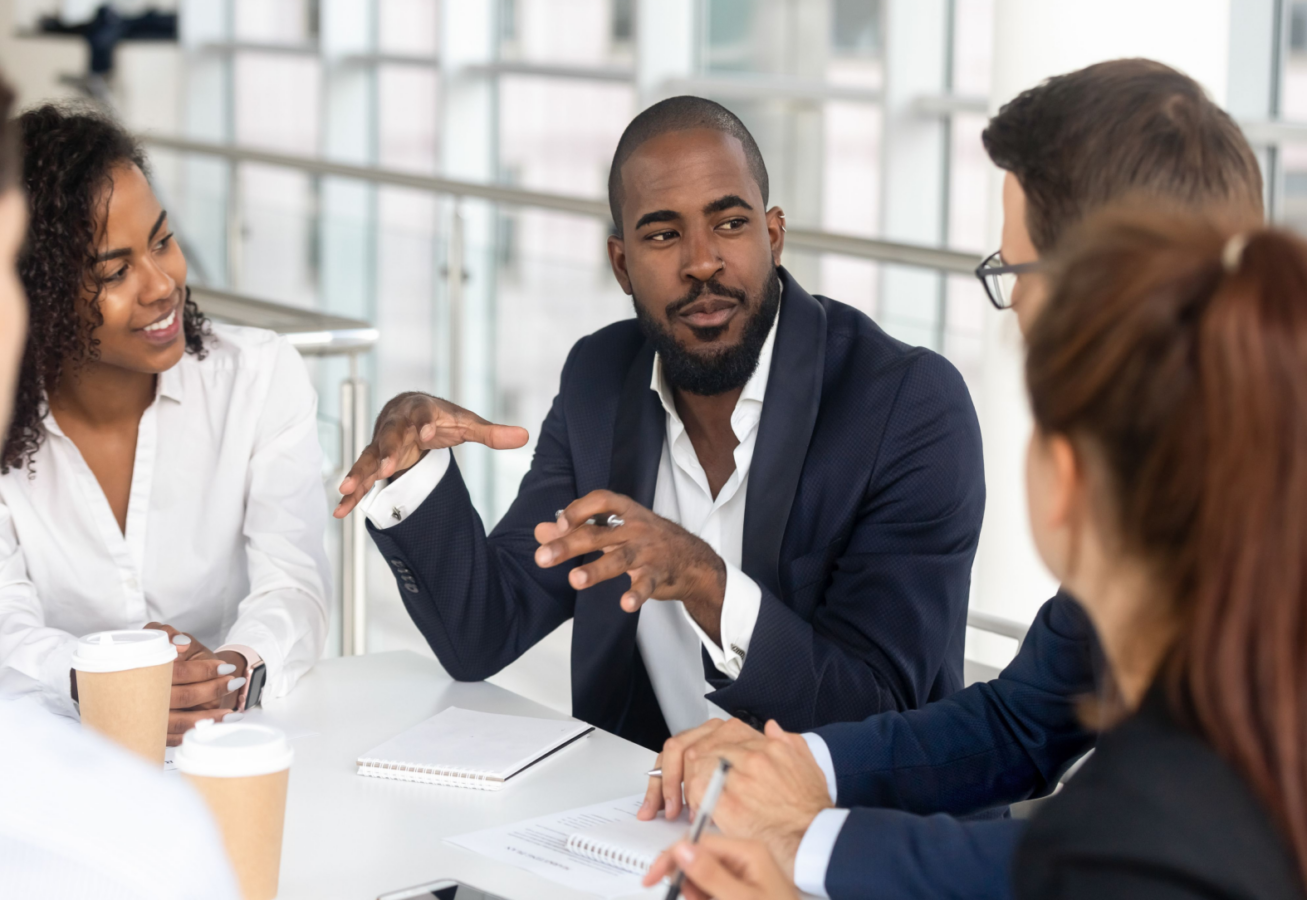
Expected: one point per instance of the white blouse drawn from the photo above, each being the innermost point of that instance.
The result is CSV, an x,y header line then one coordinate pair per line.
x,y
225,522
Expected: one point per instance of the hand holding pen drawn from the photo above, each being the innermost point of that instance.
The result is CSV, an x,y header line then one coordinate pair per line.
x,y
714,866
662,559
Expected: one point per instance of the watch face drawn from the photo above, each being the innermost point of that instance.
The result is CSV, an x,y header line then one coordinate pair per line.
x,y
257,677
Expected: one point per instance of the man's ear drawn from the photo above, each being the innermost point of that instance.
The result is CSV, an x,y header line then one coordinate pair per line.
x,y
776,232
617,259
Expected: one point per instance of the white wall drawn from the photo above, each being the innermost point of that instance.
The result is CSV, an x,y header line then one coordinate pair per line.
x,y
1034,39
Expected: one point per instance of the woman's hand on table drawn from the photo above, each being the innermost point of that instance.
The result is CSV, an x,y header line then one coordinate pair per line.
x,y
725,869
204,685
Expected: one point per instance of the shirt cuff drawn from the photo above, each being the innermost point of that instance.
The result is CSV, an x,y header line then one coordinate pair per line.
x,y
821,753
388,505
740,607
813,858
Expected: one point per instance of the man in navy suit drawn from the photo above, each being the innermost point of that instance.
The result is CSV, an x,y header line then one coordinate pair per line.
x,y
1068,146
795,497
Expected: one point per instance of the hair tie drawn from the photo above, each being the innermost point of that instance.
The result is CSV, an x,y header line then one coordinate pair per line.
x,y
1232,254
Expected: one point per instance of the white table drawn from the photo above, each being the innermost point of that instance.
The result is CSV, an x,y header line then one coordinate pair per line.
x,y
354,837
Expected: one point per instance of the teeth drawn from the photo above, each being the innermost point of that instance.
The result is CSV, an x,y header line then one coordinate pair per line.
x,y
162,323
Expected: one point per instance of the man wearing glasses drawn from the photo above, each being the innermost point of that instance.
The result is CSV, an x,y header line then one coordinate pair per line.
x,y
1069,146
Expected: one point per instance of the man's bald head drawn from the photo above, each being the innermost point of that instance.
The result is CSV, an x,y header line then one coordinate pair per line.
x,y
680,114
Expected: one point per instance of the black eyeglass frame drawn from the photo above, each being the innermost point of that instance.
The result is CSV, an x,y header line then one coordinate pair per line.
x,y
984,270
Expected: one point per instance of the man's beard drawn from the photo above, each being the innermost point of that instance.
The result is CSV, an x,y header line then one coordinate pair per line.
x,y
725,370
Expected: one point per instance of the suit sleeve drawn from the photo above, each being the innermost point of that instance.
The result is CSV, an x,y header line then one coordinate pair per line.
x,y
890,620
480,600
884,854
990,744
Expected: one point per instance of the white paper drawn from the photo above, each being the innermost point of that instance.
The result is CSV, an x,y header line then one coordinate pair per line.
x,y
540,846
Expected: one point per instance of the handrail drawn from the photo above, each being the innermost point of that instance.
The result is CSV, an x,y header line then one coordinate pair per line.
x,y
313,333
999,625
954,261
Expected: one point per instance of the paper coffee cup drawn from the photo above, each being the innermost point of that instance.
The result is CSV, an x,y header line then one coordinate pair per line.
x,y
124,686
242,770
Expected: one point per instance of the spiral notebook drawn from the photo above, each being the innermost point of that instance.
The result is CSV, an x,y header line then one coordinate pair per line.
x,y
630,845
469,749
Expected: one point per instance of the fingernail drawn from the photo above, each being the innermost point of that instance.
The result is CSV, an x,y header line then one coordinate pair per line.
x,y
580,578
684,853
226,669
544,556
180,640
234,684
233,717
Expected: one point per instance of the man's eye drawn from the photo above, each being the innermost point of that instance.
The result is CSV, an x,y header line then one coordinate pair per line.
x,y
734,224
662,235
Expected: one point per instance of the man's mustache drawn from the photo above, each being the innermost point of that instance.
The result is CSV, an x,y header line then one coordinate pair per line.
x,y
711,286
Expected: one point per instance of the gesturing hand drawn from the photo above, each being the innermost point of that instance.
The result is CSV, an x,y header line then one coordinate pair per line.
x,y
410,425
664,560
774,792
724,869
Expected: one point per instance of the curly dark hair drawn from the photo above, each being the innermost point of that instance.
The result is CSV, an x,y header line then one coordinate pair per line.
x,y
69,153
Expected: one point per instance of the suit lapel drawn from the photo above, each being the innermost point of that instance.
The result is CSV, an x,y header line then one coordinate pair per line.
x,y
604,648
789,413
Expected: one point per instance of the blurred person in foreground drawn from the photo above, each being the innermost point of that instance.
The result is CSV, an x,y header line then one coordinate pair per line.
x,y
80,817
159,471
799,494
1068,146
1166,475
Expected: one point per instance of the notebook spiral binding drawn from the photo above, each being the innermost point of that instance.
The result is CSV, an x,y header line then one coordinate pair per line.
x,y
449,777
601,851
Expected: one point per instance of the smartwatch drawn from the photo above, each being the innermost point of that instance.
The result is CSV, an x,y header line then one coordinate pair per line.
x,y
256,674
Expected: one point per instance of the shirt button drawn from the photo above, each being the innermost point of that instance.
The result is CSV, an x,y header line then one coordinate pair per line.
x,y
133,584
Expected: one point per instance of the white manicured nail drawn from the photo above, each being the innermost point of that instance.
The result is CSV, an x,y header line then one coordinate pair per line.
x,y
226,669
180,640
234,684
233,717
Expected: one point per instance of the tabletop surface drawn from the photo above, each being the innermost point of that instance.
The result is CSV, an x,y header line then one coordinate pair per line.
x,y
353,837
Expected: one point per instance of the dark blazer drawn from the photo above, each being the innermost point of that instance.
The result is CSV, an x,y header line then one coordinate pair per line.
x,y
989,745
1156,813
862,514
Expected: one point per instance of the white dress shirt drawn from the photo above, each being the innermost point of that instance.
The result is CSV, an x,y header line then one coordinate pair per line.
x,y
81,818
669,640
225,522
813,857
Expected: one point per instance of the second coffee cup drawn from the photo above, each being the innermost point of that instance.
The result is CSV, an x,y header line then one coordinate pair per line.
x,y
124,687
243,770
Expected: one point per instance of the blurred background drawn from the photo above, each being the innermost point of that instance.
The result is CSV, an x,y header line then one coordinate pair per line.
x,y
413,190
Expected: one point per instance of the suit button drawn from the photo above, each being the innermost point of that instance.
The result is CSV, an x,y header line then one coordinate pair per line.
x,y
410,587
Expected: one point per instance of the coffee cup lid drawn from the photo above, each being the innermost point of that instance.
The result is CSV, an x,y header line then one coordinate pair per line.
x,y
117,651
236,750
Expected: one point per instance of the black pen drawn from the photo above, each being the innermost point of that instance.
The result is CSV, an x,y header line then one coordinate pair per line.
x,y
603,520
706,808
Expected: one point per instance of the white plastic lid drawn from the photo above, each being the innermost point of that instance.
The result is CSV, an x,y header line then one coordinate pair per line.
x,y
238,750
117,651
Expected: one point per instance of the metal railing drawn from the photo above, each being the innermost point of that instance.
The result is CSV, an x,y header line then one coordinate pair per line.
x,y
322,334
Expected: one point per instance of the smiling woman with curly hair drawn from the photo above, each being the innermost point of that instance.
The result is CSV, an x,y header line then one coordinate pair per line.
x,y
159,470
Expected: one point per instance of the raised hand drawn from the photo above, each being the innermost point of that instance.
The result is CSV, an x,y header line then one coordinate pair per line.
x,y
410,425
665,561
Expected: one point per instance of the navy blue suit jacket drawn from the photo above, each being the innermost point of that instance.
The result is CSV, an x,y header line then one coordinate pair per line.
x,y
862,514
992,744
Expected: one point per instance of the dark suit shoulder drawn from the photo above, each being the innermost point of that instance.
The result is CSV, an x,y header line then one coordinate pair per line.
x,y
608,351
1155,809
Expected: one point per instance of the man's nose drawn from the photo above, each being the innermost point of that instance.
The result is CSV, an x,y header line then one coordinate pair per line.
x,y
702,260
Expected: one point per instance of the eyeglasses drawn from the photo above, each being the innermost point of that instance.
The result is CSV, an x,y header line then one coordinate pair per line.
x,y
999,279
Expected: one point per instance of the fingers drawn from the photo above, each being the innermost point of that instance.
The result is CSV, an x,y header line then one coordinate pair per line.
x,y
576,541
642,588
362,475
592,504
181,721
673,763
188,696
186,645
198,670
663,867
707,872
653,797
